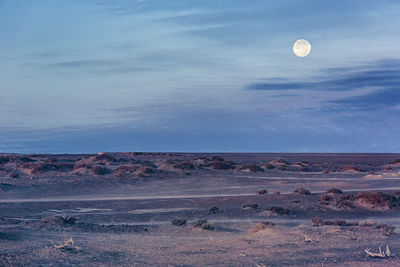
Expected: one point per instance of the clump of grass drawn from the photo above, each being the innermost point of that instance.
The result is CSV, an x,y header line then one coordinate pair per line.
x,y
177,221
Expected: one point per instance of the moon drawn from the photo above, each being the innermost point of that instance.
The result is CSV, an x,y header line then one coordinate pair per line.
x,y
302,48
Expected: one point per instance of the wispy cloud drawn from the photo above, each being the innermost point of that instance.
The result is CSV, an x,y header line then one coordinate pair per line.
x,y
382,74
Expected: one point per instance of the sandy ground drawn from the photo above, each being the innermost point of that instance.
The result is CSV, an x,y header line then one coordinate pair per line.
x,y
124,218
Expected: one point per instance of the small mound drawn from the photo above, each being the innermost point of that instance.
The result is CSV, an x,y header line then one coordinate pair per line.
x,y
302,191
334,191
277,211
279,162
251,168
351,169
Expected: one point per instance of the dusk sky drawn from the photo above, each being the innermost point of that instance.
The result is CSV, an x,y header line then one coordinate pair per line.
x,y
199,75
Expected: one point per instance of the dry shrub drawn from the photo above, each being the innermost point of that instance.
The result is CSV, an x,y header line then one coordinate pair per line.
x,y
13,175
144,171
250,206
262,192
325,199
252,168
125,170
203,224
103,157
222,165
217,158
36,167
4,159
184,165
62,166
269,166
178,221
283,168
262,226
100,170
378,199
278,210
213,210
395,161
341,223
60,220
302,191
344,202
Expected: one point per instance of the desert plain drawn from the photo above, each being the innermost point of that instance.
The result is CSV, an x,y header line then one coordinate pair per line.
x,y
199,209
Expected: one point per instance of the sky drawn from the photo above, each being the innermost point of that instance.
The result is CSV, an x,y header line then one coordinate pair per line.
x,y
80,76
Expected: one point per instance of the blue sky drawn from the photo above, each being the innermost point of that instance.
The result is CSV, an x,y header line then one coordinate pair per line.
x,y
199,75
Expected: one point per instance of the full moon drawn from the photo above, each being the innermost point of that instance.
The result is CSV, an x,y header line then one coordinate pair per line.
x,y
302,48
